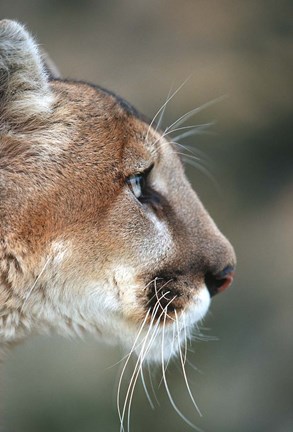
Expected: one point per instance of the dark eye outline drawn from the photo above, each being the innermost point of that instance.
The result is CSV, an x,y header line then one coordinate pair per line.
x,y
137,183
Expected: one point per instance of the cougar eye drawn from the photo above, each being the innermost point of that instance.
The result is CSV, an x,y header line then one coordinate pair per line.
x,y
136,183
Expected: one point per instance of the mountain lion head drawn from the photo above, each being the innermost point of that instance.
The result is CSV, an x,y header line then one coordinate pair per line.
x,y
100,229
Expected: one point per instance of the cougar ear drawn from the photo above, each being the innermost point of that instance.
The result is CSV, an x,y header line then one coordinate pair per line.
x,y
50,67
24,89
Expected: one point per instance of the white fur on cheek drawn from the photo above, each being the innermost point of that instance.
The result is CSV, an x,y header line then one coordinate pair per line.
x,y
160,226
163,238
200,306
59,250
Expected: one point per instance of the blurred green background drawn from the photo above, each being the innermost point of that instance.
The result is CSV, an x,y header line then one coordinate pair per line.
x,y
140,49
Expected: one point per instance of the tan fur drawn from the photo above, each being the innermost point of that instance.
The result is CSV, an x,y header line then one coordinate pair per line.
x,y
78,251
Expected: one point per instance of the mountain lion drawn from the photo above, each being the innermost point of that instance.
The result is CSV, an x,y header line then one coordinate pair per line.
x,y
100,230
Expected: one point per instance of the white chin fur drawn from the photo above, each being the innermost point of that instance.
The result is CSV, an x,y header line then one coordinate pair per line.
x,y
151,343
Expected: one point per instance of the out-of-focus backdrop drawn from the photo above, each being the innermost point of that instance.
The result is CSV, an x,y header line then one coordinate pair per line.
x,y
141,49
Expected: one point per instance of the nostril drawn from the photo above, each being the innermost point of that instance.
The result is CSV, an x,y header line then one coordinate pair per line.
x,y
218,282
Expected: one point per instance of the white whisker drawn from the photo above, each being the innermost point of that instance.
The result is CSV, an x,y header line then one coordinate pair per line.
x,y
158,290
145,389
133,380
185,339
170,355
137,370
125,365
152,385
195,152
143,352
164,105
163,110
190,128
168,390
200,167
192,112
197,130
34,284
193,366
183,369
189,157
165,294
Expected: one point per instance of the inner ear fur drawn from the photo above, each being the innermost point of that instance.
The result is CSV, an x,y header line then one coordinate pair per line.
x,y
24,88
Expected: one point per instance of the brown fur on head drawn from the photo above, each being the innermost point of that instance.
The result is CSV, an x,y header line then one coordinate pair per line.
x,y
100,229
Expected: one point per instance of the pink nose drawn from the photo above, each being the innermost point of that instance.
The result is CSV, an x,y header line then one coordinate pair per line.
x,y
218,282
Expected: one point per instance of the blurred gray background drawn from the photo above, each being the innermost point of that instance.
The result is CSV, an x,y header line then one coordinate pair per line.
x,y
141,49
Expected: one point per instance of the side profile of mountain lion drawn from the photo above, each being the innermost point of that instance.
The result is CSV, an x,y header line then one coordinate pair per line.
x,y
100,231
